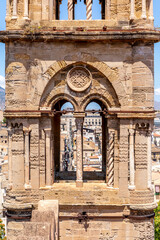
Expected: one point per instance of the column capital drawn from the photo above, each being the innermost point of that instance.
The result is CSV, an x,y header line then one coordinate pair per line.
x,y
111,132
131,131
47,132
10,132
26,131
79,115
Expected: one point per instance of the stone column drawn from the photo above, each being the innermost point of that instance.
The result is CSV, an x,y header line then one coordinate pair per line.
x,y
131,159
50,10
144,16
110,162
151,10
149,155
89,9
132,15
26,9
10,158
14,14
107,9
26,160
79,149
48,156
70,9
7,8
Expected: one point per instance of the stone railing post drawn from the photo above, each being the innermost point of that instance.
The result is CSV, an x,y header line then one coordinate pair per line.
x,y
10,158
132,15
89,9
131,159
70,9
79,149
26,9
27,157
144,16
14,13
48,156
151,10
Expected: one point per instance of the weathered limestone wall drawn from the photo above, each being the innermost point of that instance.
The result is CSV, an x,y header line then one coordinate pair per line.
x,y
130,73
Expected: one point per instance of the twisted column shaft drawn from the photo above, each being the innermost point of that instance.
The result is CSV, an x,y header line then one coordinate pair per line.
x,y
70,9
89,9
110,166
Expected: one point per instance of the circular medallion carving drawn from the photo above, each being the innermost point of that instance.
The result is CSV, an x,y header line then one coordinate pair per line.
x,y
79,79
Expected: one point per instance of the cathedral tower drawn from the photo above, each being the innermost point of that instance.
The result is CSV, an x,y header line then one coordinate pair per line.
x,y
49,62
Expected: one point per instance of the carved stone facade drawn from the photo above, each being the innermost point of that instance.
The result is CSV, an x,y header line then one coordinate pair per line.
x,y
109,62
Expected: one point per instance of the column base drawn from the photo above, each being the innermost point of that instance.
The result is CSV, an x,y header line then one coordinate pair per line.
x,y
151,18
131,187
151,186
9,186
79,183
14,17
27,186
144,17
26,18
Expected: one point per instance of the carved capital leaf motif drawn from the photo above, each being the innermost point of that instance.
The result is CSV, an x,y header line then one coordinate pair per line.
x,y
79,79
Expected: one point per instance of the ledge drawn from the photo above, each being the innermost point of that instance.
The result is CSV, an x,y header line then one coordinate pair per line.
x,y
38,113
145,207
132,35
11,206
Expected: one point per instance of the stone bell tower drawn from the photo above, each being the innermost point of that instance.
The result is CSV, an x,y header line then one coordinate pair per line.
x,y
49,62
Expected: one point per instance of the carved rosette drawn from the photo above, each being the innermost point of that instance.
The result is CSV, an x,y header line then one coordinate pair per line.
x,y
79,79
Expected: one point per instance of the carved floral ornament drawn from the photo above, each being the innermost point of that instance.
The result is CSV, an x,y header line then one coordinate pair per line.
x,y
79,79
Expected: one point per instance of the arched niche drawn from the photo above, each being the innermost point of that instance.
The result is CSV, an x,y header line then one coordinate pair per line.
x,y
101,88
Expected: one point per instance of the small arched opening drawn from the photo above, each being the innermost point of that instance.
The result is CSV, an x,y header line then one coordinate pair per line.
x,y
94,141
63,128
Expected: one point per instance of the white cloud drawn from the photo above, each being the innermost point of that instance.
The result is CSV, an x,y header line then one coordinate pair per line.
x,y
157,92
2,81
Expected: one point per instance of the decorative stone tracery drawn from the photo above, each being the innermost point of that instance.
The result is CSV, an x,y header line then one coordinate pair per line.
x,y
79,79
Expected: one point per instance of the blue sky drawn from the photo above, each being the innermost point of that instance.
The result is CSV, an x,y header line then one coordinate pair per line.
x,y
78,15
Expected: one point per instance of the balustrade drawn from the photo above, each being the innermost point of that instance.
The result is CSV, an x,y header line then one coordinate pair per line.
x,y
107,6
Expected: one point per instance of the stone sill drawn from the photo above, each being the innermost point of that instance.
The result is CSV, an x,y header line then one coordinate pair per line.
x,y
131,35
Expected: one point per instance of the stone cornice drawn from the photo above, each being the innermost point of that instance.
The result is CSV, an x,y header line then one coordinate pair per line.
x,y
110,113
132,35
